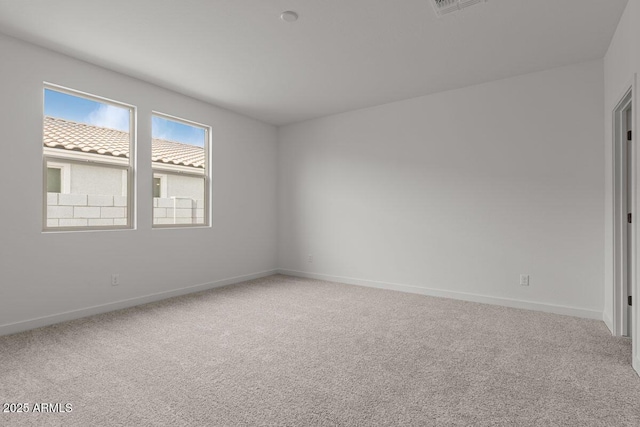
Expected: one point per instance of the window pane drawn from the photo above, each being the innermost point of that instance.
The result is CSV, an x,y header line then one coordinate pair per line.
x,y
54,180
93,201
156,187
91,141
179,154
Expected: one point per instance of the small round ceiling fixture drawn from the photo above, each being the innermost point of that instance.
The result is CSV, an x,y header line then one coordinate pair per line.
x,y
289,16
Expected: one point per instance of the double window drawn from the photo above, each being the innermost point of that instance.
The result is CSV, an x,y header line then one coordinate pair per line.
x,y
88,151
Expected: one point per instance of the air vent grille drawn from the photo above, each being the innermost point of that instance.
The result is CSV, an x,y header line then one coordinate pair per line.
x,y
443,7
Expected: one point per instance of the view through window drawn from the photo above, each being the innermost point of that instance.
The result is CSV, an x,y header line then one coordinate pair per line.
x,y
180,170
87,143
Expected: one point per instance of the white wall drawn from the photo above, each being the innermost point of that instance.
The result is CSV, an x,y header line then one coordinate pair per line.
x,y
44,274
621,63
459,191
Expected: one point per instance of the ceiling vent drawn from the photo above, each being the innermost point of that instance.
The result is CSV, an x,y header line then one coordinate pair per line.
x,y
444,7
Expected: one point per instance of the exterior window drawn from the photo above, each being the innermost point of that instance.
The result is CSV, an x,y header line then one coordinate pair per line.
x,y
157,182
179,158
58,177
54,180
87,146
159,185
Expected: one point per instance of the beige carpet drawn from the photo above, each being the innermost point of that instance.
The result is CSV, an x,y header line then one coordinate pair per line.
x,y
297,352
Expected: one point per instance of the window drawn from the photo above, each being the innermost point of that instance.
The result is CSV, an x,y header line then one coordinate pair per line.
x,y
181,184
157,182
159,185
54,180
88,173
58,178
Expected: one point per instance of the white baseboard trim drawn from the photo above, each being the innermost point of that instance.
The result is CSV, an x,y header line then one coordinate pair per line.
x,y
607,321
636,364
506,302
12,328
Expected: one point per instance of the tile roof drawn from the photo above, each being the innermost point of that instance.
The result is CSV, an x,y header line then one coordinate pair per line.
x,y
68,135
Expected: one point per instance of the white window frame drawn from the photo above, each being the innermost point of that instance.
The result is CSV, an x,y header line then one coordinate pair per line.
x,y
65,175
188,171
54,156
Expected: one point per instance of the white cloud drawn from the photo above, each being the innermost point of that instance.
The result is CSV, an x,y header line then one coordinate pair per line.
x,y
109,116
174,131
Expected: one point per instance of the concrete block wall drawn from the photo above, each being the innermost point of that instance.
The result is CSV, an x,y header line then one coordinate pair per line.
x,y
82,210
178,211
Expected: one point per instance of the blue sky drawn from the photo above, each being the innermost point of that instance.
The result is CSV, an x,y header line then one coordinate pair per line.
x,y
69,107
174,131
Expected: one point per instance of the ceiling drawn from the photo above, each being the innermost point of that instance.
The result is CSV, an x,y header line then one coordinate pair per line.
x,y
340,55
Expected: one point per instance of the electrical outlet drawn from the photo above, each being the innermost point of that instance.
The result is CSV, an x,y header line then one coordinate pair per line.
x,y
310,258
115,279
524,280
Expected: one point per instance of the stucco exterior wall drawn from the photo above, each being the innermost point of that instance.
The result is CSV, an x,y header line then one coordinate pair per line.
x,y
89,179
110,181
184,186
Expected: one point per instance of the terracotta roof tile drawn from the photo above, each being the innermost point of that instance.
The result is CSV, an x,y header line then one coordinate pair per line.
x,y
68,135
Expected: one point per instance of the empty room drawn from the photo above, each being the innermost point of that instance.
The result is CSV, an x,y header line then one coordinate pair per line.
x,y
319,213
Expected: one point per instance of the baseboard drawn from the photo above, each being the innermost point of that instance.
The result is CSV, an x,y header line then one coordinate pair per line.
x,y
12,328
607,321
506,302
636,364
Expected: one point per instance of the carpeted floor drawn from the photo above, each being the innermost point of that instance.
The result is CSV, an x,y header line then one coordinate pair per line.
x,y
299,352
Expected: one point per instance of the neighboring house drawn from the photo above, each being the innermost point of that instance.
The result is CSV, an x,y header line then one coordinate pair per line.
x,y
89,163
